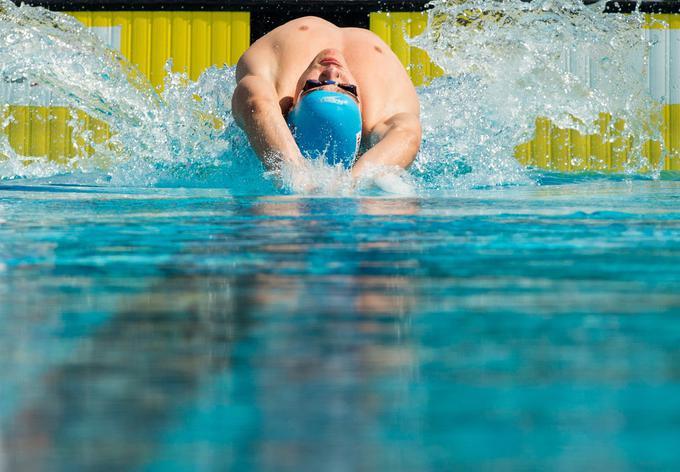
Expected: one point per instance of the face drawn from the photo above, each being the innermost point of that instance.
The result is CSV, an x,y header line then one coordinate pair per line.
x,y
329,64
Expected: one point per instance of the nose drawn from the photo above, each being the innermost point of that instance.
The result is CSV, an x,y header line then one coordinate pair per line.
x,y
329,73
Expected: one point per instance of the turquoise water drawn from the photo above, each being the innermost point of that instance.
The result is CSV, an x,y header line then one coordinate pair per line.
x,y
166,305
526,327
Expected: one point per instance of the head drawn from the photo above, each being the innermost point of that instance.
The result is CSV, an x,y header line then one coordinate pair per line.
x,y
326,114
329,64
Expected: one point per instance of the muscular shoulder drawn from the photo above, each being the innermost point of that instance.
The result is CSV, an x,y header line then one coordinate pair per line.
x,y
309,21
257,60
385,85
286,43
305,26
366,47
360,34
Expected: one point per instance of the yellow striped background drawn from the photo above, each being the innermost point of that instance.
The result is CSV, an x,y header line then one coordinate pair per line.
x,y
197,40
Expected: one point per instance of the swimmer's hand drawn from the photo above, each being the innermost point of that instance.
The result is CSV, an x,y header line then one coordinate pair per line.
x,y
296,178
315,177
389,179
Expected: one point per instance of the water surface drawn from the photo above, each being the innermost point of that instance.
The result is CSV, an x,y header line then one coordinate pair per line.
x,y
184,329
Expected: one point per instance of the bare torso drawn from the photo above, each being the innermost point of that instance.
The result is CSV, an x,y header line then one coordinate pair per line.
x,y
385,88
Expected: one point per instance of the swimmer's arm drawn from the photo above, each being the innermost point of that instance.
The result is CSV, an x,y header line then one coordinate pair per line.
x,y
256,109
398,141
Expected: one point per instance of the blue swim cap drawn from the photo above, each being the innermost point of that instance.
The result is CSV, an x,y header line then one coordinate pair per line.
x,y
329,124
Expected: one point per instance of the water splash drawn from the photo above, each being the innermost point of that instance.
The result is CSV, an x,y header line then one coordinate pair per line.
x,y
176,134
505,62
508,62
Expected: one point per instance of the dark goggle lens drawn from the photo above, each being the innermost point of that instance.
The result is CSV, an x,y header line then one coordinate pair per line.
x,y
349,88
312,84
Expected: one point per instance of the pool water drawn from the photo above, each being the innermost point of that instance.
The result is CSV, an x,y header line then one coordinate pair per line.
x,y
519,327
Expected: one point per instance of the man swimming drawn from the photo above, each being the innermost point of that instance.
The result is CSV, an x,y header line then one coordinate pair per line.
x,y
310,89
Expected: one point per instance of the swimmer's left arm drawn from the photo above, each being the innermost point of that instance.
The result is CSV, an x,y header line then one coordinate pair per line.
x,y
398,140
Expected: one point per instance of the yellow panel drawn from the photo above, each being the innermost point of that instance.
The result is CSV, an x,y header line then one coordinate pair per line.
x,y
60,136
580,152
85,17
124,20
523,154
180,40
657,21
45,132
200,44
141,42
559,149
379,25
398,33
17,130
240,36
160,52
602,148
393,28
220,41
40,131
673,137
542,146
568,150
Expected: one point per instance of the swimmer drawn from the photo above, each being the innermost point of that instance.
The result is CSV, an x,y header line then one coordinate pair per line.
x,y
309,89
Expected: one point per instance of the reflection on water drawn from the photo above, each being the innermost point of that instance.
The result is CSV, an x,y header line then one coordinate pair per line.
x,y
185,330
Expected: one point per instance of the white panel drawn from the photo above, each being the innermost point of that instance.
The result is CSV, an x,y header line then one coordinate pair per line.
x,y
109,35
674,65
579,65
658,65
663,78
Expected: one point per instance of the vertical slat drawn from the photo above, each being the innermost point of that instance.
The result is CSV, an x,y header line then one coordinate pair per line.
x,y
189,44
541,144
124,19
579,151
673,138
15,131
560,149
159,47
523,153
419,58
378,24
392,28
200,44
179,41
618,146
38,144
140,42
398,44
219,39
240,35
660,78
673,71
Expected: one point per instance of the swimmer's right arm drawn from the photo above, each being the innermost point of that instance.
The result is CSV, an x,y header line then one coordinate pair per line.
x,y
256,110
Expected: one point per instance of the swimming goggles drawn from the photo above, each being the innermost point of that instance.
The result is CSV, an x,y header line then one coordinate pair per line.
x,y
312,84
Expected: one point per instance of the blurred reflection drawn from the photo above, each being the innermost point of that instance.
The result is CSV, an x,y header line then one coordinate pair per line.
x,y
355,334
386,207
340,328
106,405
296,207
299,335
